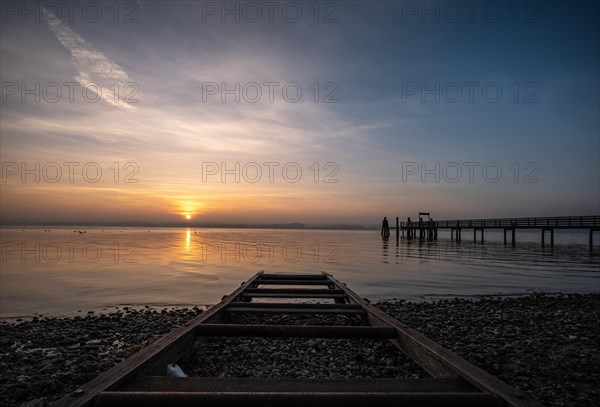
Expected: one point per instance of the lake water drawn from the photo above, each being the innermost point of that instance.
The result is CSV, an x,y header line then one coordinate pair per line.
x,y
59,271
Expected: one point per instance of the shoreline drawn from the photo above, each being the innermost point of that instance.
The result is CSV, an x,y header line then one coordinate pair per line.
x,y
101,311
427,298
543,344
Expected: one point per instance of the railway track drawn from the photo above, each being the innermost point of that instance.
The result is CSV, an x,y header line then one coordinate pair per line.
x,y
142,379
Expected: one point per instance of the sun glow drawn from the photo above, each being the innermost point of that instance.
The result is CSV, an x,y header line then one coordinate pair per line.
x,y
188,208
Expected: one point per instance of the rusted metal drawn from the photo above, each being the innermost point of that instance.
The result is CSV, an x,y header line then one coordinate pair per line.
x,y
293,399
322,294
141,380
293,276
297,310
291,291
365,385
298,331
293,282
294,305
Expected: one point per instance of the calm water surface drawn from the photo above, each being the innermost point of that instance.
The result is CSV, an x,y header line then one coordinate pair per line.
x,y
59,271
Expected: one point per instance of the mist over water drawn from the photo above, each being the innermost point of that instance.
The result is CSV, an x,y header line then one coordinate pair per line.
x,y
60,271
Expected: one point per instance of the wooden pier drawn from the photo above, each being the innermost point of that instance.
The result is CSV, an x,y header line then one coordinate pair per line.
x,y
141,379
428,229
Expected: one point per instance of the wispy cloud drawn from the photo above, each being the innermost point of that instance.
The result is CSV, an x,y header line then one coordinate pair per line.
x,y
95,69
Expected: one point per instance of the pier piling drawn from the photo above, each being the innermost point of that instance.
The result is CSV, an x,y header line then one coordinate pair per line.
x,y
592,230
551,230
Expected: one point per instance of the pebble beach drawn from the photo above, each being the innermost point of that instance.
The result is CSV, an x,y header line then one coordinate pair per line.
x,y
545,345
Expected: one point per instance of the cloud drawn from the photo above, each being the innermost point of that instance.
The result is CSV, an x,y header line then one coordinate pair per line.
x,y
96,71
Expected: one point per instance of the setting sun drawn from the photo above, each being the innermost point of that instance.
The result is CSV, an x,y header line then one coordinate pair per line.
x,y
188,217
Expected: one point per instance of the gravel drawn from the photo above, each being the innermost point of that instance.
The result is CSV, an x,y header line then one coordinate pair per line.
x,y
546,345
43,359
305,358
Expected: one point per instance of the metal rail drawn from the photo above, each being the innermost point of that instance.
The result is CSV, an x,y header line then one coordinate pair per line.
x,y
141,380
558,222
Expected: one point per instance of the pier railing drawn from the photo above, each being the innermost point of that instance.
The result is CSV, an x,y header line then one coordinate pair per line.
x,y
564,222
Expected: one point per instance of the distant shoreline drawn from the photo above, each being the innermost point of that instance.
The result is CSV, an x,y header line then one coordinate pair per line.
x,y
290,226
227,226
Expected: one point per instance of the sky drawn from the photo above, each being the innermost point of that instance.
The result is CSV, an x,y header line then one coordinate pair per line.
x,y
314,112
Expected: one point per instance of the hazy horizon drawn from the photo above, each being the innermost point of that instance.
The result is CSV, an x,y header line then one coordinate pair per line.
x,y
321,113
208,225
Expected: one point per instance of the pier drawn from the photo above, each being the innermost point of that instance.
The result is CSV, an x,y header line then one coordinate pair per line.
x,y
427,229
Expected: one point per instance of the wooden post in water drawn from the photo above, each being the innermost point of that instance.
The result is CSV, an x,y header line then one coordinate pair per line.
x,y
475,234
397,228
385,228
592,237
551,230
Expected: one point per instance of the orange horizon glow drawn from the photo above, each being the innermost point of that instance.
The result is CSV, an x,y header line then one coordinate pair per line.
x,y
217,204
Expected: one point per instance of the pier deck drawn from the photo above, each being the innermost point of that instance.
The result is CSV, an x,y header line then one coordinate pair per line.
x,y
428,229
